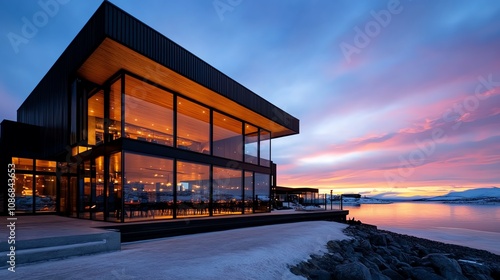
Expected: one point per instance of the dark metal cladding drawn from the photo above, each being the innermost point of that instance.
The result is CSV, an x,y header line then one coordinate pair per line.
x,y
49,104
131,32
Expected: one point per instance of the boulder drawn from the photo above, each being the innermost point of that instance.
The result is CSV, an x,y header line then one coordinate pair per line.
x,y
376,275
336,257
475,271
423,273
352,271
318,274
448,268
378,239
392,274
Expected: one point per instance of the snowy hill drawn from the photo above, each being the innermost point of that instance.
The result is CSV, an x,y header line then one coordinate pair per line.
x,y
474,196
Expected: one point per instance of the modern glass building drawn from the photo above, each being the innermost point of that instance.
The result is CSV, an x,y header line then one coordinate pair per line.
x,y
129,126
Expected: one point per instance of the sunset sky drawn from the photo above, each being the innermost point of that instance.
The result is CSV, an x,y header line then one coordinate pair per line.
x,y
395,98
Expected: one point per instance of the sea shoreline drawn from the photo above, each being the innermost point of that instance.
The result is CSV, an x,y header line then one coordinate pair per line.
x,y
371,253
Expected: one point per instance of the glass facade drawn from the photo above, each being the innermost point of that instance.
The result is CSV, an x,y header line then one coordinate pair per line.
x,y
262,192
227,191
265,148
36,185
119,185
45,165
148,188
193,126
45,190
23,163
192,189
115,110
148,112
95,119
248,199
114,191
24,193
251,144
227,137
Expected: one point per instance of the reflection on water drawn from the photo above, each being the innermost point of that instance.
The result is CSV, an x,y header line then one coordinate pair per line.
x,y
425,215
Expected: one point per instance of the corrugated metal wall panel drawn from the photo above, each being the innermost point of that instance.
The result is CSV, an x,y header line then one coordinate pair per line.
x,y
143,39
48,105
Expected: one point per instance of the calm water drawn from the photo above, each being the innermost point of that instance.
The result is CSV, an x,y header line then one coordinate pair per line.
x,y
476,226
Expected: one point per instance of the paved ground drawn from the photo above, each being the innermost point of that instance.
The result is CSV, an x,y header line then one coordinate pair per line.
x,y
250,253
31,227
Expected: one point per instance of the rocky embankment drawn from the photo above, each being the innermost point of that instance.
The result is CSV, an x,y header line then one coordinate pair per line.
x,y
376,254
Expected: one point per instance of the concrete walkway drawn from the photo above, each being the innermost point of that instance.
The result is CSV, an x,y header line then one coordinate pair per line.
x,y
250,253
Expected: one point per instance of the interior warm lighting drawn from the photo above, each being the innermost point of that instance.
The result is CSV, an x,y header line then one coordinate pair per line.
x,y
135,119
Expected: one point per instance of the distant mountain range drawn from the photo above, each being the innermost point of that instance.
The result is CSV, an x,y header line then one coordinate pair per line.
x,y
473,196
489,195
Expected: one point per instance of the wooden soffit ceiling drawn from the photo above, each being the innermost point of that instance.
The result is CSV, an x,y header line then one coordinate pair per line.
x,y
111,56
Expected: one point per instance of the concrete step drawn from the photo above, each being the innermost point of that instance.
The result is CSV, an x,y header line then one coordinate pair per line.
x,y
48,248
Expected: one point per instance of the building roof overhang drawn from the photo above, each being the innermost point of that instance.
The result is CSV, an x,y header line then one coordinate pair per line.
x,y
112,56
112,40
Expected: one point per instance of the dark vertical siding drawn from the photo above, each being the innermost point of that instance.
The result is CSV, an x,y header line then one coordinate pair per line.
x,y
48,104
131,32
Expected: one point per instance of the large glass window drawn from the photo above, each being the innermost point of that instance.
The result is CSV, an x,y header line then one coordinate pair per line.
x,y
63,198
114,194
23,163
227,137
265,148
85,190
248,200
45,193
24,193
193,126
98,184
227,191
115,109
193,189
148,112
148,188
251,144
95,119
262,192
45,165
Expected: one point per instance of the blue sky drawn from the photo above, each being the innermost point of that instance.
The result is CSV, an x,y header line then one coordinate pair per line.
x,y
394,97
